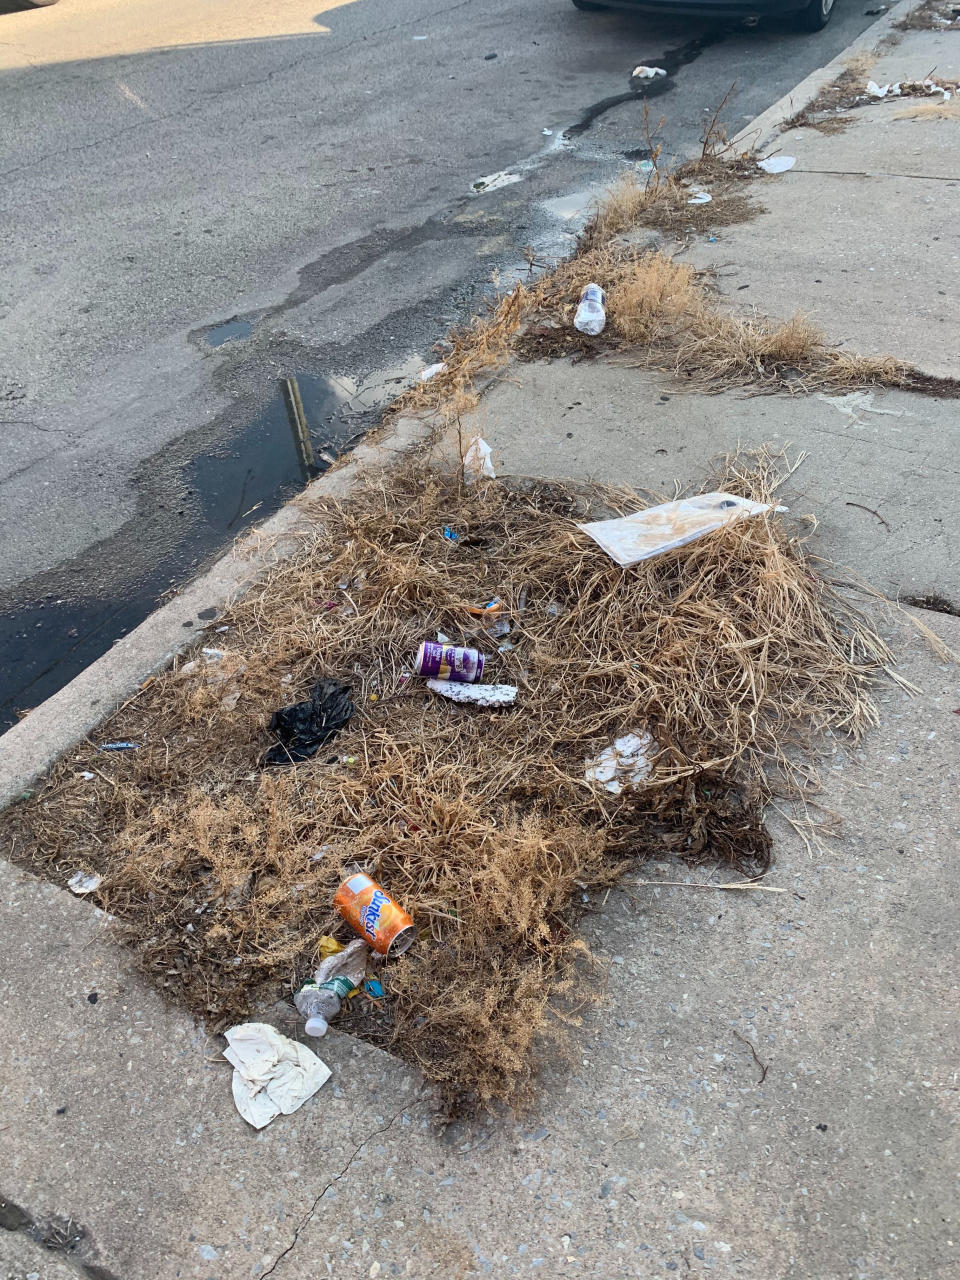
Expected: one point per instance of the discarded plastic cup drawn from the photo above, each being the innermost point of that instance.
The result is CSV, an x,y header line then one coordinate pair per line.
x,y
591,316
448,662
374,915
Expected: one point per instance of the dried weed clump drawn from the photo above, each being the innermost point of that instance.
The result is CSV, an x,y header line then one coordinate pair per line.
x,y
662,313
733,652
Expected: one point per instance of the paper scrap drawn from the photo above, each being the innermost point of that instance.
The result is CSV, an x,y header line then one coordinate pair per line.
x,y
647,73
630,539
626,763
82,882
273,1075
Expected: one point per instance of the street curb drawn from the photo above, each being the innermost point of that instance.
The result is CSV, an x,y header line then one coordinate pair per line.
x,y
29,748
760,132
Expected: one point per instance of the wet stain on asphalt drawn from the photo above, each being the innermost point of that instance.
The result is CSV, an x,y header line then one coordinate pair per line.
x,y
230,330
672,60
308,423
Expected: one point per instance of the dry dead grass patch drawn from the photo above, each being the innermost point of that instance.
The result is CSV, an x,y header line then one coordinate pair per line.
x,y
656,296
935,15
662,314
733,651
662,200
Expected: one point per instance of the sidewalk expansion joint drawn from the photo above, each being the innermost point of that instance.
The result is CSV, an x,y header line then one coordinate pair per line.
x,y
308,1216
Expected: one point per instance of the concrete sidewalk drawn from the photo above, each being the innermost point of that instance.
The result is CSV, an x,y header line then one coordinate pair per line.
x,y
863,235
666,1147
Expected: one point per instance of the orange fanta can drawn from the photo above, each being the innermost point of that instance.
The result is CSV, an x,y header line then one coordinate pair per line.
x,y
375,916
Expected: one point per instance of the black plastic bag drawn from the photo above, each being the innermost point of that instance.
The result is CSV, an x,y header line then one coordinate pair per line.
x,y
305,727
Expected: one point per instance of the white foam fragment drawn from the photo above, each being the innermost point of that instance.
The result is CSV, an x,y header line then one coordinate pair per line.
x,y
481,695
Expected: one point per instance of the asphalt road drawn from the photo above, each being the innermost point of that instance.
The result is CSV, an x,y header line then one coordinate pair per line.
x,y
306,169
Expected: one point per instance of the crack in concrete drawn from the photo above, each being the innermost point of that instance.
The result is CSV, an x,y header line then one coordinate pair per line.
x,y
877,173
308,1216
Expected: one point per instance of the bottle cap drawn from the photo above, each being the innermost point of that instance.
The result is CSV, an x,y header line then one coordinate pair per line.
x,y
316,1025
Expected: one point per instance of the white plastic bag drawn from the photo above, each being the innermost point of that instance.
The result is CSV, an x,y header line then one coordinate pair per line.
x,y
477,463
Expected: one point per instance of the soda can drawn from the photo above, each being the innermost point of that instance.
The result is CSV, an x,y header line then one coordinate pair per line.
x,y
448,662
375,916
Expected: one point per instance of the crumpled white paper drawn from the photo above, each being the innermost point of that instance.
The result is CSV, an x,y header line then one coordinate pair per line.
x,y
630,539
476,461
82,882
626,763
482,695
273,1075
647,73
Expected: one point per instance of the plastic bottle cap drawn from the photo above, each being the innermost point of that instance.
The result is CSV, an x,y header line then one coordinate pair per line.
x,y
316,1026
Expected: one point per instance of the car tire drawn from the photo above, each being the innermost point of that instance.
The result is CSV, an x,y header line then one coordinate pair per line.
x,y
587,4
816,15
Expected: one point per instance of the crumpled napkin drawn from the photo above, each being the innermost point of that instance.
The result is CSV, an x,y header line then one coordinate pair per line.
x,y
272,1073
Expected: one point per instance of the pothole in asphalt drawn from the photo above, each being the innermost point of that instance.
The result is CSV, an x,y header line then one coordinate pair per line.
x,y
188,512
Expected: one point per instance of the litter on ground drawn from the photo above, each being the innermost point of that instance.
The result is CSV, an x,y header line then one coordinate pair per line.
x,y
648,73
629,762
481,695
736,653
591,316
272,1075
338,975
374,915
83,882
777,164
477,463
303,729
630,539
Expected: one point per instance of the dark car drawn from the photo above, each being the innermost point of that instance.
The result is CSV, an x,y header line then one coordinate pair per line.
x,y
811,15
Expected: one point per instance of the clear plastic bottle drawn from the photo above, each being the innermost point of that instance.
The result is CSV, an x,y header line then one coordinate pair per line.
x,y
591,316
319,1000
319,1003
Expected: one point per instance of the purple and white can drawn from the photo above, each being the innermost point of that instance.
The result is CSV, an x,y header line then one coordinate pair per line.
x,y
448,662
